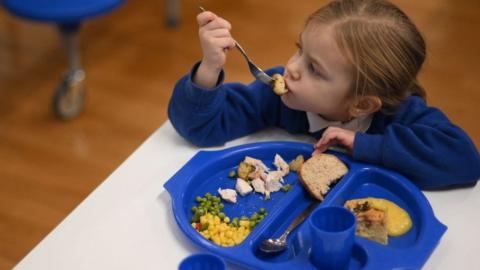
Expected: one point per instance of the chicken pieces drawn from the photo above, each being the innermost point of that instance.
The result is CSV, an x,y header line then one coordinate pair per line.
x,y
254,175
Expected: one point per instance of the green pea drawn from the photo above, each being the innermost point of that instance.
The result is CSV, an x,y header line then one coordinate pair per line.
x,y
221,215
262,210
231,174
198,199
194,209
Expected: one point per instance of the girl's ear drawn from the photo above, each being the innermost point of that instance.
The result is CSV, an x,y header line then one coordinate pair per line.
x,y
364,106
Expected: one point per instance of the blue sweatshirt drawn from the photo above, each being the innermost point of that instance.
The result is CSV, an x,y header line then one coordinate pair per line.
x,y
417,141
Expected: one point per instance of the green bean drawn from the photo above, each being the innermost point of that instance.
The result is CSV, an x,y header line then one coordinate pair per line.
x,y
204,227
196,218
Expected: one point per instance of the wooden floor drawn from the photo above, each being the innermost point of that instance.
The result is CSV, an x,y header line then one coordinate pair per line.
x,y
132,60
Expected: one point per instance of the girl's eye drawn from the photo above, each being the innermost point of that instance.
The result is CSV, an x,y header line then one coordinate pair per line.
x,y
313,70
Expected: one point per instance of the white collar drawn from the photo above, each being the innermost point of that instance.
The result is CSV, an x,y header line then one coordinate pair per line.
x,y
316,123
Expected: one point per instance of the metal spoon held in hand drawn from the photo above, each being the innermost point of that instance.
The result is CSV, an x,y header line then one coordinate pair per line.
x,y
280,244
257,72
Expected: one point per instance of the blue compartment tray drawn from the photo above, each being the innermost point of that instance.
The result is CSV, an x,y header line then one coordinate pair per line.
x,y
208,170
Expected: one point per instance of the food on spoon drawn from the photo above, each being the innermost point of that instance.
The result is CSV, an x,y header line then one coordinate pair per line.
x,y
229,195
319,172
397,221
278,84
243,187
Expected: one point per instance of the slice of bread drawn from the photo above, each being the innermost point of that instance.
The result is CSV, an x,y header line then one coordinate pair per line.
x,y
319,172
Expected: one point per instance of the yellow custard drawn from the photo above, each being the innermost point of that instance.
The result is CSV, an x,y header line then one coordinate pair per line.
x,y
398,221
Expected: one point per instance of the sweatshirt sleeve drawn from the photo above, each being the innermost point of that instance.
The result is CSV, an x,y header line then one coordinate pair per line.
x,y
208,117
423,145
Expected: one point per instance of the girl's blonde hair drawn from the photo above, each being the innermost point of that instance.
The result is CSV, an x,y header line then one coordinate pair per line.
x,y
384,46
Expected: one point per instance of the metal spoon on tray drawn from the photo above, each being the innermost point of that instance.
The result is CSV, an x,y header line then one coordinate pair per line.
x,y
280,244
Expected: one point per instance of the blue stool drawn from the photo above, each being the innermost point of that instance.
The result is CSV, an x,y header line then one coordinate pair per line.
x,y
69,98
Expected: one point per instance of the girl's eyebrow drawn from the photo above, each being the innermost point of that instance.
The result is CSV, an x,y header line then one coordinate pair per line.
x,y
317,62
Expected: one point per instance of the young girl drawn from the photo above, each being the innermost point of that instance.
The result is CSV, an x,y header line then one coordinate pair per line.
x,y
351,82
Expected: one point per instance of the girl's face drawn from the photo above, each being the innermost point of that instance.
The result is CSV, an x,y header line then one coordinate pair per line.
x,y
318,76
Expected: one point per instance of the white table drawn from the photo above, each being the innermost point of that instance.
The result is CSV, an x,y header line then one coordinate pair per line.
x,y
127,223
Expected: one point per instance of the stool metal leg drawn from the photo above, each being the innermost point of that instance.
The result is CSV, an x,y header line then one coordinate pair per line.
x,y
69,98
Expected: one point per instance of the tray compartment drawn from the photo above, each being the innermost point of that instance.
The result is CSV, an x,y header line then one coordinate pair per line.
x,y
208,170
372,182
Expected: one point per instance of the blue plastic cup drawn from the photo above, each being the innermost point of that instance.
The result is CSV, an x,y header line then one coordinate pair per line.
x,y
202,261
332,231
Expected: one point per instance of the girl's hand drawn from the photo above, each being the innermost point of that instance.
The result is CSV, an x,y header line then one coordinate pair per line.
x,y
215,39
332,136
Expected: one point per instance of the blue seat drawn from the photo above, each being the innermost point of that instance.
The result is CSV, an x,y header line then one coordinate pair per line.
x,y
69,98
60,11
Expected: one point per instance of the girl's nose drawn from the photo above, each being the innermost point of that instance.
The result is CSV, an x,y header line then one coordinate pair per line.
x,y
292,70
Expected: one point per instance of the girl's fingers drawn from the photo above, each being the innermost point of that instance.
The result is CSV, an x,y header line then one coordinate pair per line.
x,y
326,135
217,23
316,152
326,144
333,136
205,17
225,43
220,33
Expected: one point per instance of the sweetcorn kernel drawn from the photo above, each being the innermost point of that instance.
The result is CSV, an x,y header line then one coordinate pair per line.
x,y
221,232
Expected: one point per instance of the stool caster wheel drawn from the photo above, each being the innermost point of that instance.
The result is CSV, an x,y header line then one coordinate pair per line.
x,y
69,98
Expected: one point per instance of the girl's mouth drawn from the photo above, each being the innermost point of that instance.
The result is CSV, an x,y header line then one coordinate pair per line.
x,y
287,87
